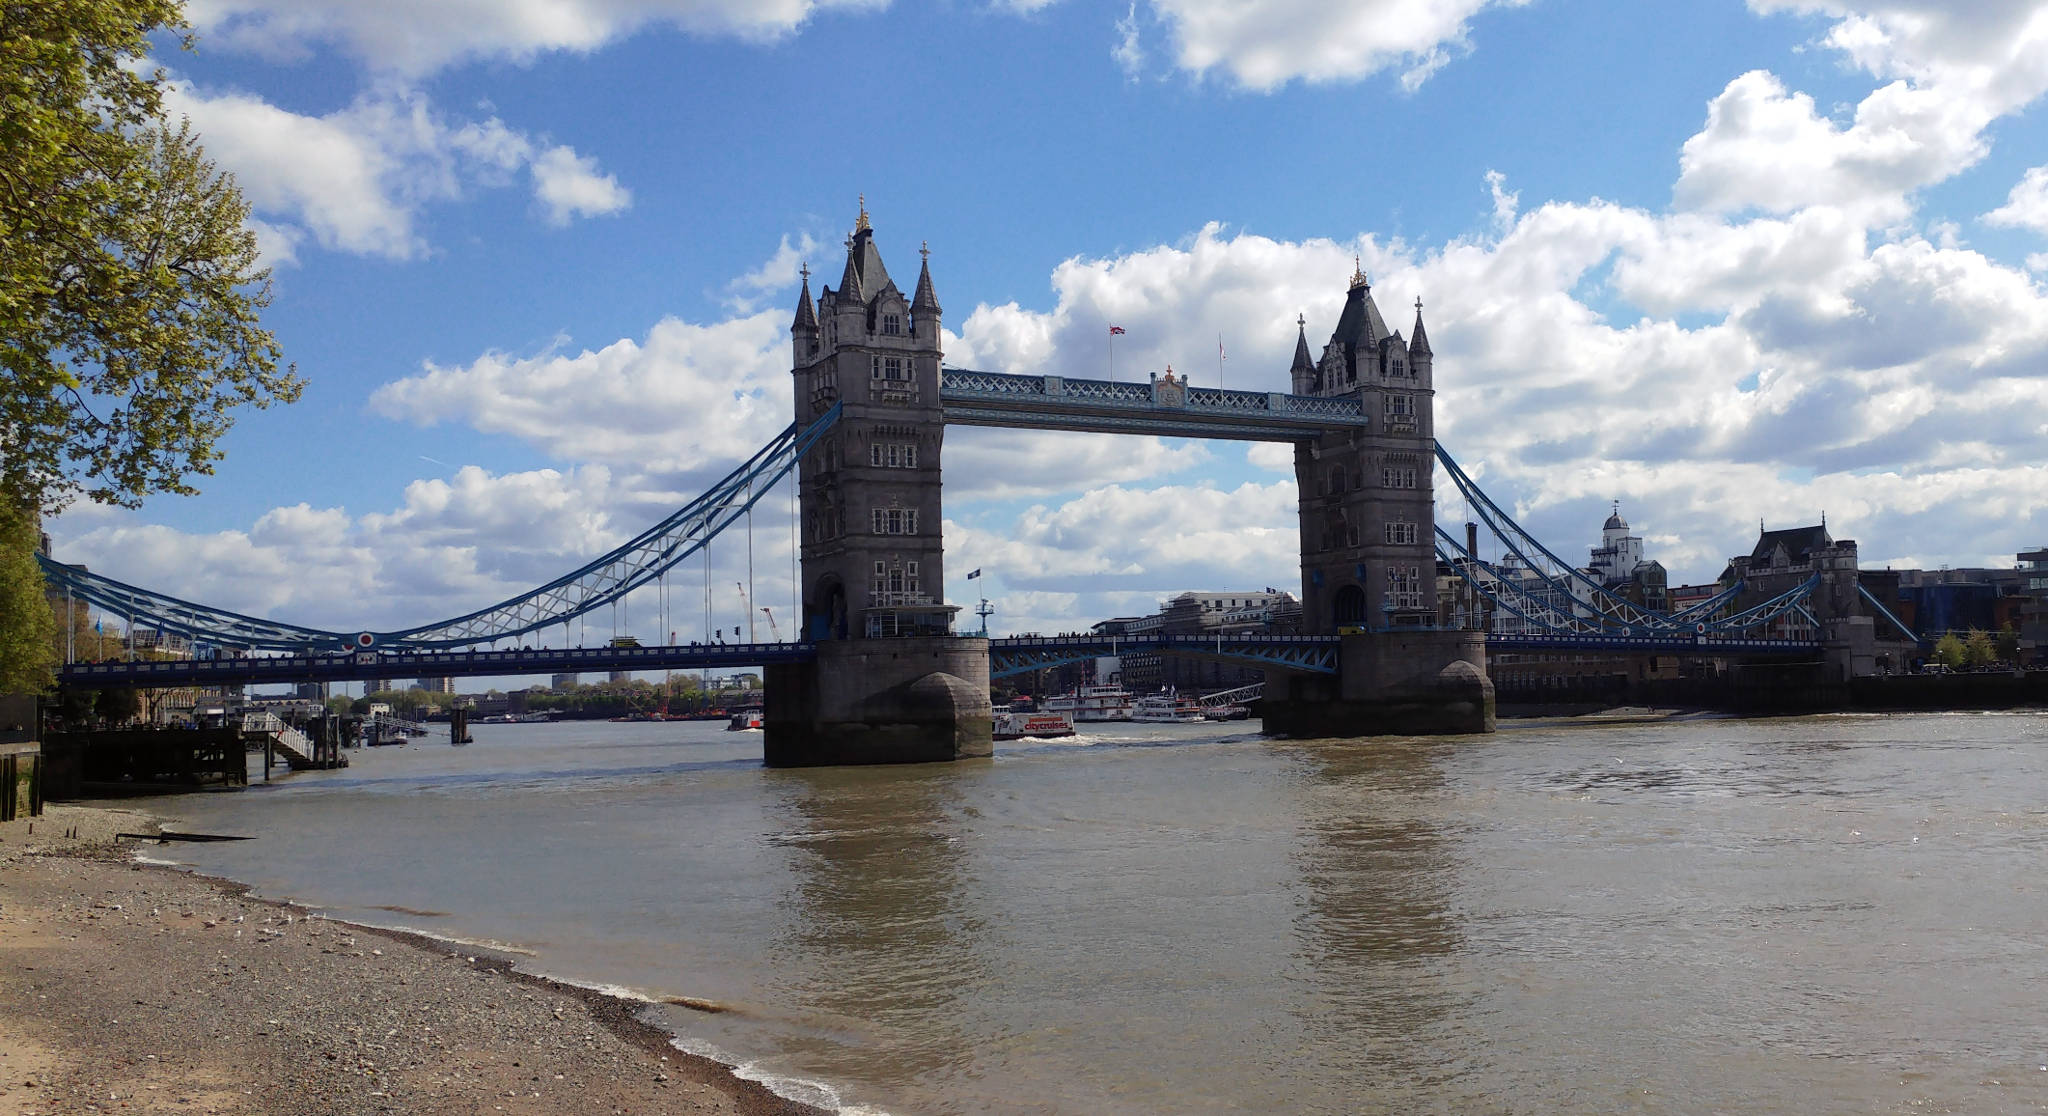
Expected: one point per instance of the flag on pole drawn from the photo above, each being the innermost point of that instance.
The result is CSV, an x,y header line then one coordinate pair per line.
x,y
975,574
1116,331
1219,348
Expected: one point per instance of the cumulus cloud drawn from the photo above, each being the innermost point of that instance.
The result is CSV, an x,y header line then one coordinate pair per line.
x,y
358,179
1768,149
569,185
1260,45
683,397
1265,45
424,35
2027,206
1949,71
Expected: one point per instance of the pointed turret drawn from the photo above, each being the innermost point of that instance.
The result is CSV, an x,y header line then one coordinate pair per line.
x,y
806,314
850,290
1359,332
1419,343
1303,371
925,303
864,277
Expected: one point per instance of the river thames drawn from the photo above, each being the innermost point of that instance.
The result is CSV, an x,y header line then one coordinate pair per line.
x,y
1822,914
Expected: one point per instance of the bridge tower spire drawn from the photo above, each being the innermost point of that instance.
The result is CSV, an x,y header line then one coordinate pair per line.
x,y
891,683
803,330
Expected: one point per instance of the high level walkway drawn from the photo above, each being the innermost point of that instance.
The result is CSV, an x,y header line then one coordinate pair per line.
x,y
1168,407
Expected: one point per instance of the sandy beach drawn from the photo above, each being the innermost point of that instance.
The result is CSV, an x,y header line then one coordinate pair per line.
x,y
134,988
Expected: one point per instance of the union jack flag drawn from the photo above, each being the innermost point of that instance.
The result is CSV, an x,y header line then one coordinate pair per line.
x,y
1116,329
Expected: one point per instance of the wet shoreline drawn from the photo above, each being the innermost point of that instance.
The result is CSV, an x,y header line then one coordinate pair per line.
x,y
91,932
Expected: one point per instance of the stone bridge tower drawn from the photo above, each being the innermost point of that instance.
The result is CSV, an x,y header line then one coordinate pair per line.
x,y
1368,553
891,682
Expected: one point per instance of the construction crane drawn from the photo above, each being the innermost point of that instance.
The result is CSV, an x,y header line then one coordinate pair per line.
x,y
773,628
748,607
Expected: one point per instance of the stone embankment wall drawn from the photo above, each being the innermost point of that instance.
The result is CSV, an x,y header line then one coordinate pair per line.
x,y
1789,689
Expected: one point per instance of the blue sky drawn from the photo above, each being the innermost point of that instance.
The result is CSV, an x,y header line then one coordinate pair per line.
x,y
536,259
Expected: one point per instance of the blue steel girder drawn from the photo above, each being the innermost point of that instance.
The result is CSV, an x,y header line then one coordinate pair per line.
x,y
1128,407
1653,644
1556,611
1557,573
1757,615
1302,654
599,582
1583,622
1871,600
357,665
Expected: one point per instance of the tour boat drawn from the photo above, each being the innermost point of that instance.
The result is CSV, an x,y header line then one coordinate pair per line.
x,y
1169,708
743,720
1094,703
1011,725
1231,712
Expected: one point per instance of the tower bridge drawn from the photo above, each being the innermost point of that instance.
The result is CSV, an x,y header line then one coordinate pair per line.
x,y
876,673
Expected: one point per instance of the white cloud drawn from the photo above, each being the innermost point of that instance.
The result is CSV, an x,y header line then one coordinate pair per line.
x,y
1988,49
1764,148
423,35
569,185
1267,44
1950,70
1505,202
684,397
358,179
776,275
1129,51
2027,206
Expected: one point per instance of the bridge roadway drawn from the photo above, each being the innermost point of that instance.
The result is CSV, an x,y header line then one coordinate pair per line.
x,y
358,665
1008,656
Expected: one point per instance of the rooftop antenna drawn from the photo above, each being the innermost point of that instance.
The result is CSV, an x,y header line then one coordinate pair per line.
x,y
984,610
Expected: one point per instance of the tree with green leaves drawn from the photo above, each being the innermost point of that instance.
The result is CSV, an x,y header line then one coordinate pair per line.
x,y
2008,643
28,631
130,284
1978,650
1950,652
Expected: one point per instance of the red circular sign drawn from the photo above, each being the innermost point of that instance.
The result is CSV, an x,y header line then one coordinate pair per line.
x,y
365,639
